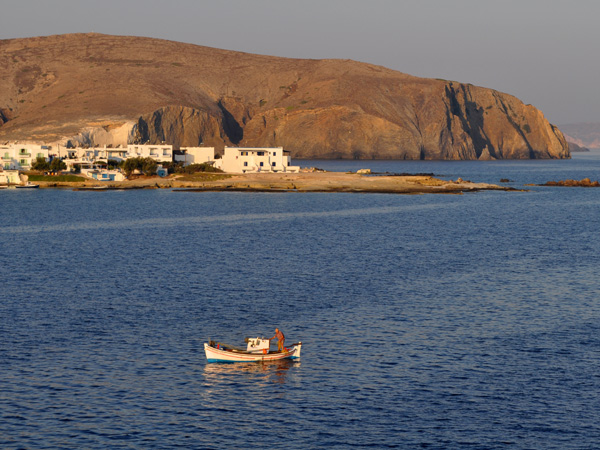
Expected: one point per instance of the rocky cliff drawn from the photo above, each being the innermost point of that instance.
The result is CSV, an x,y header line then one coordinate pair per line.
x,y
98,89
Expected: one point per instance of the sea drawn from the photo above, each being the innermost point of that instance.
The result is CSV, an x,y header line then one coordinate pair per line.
x,y
431,321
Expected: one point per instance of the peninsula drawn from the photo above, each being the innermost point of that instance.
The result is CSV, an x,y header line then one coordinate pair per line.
x,y
289,182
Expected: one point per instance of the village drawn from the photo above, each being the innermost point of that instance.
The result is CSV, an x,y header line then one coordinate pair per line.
x,y
249,169
18,159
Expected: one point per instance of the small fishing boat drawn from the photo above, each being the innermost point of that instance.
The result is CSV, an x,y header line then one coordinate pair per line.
x,y
257,350
28,185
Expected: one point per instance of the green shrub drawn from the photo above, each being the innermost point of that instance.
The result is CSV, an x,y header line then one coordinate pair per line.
x,y
147,166
57,165
195,168
40,164
57,178
112,164
204,176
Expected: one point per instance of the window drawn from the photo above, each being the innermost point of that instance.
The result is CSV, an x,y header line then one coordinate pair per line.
x,y
274,153
245,163
262,164
260,153
273,164
40,155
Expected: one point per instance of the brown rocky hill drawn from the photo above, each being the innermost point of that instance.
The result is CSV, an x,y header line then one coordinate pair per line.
x,y
99,89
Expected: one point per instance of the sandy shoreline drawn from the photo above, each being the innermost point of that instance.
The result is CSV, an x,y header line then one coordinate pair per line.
x,y
297,182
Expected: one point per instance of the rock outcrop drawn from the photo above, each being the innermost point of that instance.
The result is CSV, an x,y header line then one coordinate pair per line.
x,y
180,126
93,88
586,182
4,116
573,147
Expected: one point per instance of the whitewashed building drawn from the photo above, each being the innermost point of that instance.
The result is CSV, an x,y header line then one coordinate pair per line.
x,y
22,156
117,154
9,176
263,159
93,154
103,174
195,155
160,153
89,156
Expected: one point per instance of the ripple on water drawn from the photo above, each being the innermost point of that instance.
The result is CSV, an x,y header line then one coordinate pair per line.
x,y
436,322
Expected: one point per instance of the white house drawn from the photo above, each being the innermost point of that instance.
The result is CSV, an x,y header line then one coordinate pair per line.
x,y
103,174
117,154
195,155
246,159
97,153
22,156
160,153
9,177
86,157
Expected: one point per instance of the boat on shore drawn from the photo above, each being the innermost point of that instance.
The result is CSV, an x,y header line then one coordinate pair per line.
x,y
257,350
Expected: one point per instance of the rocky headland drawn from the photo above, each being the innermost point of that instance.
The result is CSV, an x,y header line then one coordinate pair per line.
x,y
574,148
93,89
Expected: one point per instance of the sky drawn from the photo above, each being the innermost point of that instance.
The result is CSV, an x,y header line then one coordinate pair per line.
x,y
545,52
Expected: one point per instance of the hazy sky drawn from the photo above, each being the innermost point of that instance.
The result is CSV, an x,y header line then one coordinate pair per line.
x,y
543,51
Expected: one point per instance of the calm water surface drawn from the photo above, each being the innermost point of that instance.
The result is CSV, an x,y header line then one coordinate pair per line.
x,y
429,321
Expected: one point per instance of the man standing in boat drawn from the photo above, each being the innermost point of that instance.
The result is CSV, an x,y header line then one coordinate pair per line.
x,y
280,339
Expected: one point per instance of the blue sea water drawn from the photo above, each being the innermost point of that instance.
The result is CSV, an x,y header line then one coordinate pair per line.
x,y
428,321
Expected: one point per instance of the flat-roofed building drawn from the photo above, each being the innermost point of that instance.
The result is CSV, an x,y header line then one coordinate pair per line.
x,y
9,176
160,153
194,155
256,159
103,174
22,156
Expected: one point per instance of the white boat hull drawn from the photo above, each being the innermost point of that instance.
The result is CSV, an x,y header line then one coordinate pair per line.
x,y
219,355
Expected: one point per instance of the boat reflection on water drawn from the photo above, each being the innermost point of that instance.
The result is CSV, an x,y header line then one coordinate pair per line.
x,y
267,372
